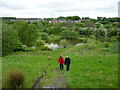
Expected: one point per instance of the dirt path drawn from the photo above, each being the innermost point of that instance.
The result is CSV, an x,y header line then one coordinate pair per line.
x,y
58,82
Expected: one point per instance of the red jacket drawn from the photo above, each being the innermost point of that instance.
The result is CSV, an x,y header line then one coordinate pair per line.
x,y
60,60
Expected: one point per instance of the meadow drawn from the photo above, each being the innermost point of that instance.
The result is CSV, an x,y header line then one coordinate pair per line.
x,y
93,65
27,52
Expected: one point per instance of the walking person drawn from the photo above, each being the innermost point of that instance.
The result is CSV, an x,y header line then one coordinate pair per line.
x,y
67,63
61,62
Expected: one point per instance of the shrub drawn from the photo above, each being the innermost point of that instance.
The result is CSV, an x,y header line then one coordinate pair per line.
x,y
53,37
118,37
45,48
28,49
83,40
44,36
40,43
16,79
91,46
106,44
69,34
105,49
85,31
114,38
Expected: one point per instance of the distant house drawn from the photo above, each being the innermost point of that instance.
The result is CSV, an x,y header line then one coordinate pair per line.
x,y
14,20
27,19
35,20
31,20
60,21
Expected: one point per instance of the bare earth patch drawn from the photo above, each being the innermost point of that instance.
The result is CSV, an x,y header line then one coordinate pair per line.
x,y
58,82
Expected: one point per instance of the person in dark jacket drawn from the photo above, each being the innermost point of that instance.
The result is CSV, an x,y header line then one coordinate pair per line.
x,y
67,63
61,62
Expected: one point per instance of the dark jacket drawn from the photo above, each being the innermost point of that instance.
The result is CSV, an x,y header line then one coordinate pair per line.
x,y
67,60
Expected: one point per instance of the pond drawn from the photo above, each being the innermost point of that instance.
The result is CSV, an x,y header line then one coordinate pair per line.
x,y
56,44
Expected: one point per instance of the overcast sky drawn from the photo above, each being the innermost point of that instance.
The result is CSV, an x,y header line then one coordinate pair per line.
x,y
56,8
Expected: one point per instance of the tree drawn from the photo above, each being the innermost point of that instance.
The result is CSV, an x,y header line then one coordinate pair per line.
x,y
74,18
69,34
100,33
10,40
27,33
85,31
44,36
56,29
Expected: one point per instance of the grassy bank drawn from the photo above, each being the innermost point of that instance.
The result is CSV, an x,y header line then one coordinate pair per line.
x,y
93,65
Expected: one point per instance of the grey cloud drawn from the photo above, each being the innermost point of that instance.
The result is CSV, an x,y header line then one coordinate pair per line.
x,y
12,6
57,8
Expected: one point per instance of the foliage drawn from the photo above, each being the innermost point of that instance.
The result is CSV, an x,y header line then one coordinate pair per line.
x,y
105,49
80,24
106,44
89,24
28,49
40,43
114,38
83,40
55,29
44,47
69,34
44,36
112,32
69,18
10,40
27,33
85,31
102,29
100,33
54,37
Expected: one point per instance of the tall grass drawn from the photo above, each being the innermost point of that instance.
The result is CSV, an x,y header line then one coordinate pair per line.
x,y
16,79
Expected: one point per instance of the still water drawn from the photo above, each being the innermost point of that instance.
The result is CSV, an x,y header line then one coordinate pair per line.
x,y
56,44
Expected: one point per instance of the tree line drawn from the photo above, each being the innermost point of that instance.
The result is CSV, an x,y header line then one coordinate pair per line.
x,y
21,34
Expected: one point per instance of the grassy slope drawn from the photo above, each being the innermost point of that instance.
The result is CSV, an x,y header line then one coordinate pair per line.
x,y
86,71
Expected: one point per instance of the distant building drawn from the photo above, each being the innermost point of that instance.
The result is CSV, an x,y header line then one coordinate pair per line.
x,y
36,20
31,20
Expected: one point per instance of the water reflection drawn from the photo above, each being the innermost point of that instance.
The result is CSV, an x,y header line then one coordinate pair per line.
x,y
56,44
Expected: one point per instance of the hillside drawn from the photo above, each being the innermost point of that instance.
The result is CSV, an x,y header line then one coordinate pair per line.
x,y
92,66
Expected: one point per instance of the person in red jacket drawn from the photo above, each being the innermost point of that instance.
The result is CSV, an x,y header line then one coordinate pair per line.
x,y
61,62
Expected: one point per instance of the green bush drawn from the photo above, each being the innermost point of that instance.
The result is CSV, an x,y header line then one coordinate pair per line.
x,y
105,49
16,79
114,38
54,37
45,48
69,34
85,31
106,44
40,43
28,49
91,46
83,40
44,36
118,37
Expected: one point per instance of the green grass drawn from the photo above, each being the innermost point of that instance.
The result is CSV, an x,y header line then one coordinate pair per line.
x,y
86,71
